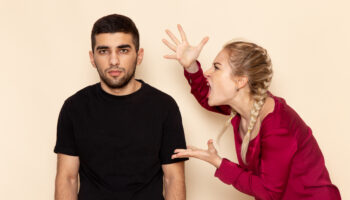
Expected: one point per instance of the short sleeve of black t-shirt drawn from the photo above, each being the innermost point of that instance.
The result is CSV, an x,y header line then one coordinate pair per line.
x,y
65,142
173,134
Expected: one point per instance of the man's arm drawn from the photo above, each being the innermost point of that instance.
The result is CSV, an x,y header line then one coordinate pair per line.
x,y
66,185
174,181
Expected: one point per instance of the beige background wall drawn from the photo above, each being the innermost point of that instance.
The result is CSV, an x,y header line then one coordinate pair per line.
x,y
44,59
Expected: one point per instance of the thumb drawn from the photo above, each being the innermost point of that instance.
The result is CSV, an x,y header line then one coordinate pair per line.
x,y
211,145
202,43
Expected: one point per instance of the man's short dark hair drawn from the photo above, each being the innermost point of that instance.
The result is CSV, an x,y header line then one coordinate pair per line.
x,y
115,23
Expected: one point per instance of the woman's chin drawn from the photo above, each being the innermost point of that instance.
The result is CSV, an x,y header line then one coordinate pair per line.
x,y
211,102
215,102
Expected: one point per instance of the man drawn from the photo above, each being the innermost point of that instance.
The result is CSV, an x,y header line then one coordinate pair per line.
x,y
118,135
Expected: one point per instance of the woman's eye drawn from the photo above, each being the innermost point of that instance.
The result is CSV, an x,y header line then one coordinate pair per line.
x,y
215,67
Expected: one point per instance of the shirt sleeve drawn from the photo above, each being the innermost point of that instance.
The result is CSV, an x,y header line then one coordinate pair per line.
x,y
278,148
173,135
200,90
65,142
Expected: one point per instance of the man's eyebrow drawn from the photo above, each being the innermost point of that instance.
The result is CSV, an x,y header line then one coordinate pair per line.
x,y
217,63
102,47
123,46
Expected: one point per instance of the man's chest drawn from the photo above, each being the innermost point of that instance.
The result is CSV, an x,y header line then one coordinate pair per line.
x,y
106,130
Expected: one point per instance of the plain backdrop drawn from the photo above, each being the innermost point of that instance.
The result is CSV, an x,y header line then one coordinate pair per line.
x,y
44,60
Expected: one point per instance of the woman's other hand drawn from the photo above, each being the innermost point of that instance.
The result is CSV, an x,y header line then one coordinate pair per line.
x,y
210,155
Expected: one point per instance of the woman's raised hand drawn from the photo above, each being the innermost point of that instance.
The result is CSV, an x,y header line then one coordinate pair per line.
x,y
185,54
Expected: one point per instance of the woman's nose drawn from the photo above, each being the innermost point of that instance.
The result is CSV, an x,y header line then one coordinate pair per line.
x,y
207,73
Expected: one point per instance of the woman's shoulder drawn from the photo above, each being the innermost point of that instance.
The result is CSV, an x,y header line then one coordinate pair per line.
x,y
283,118
281,109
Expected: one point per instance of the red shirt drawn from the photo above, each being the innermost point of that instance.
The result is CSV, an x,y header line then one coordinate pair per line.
x,y
284,159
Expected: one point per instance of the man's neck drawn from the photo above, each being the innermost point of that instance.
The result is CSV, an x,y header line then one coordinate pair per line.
x,y
130,88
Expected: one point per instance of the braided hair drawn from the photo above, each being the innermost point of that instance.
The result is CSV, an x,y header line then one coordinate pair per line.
x,y
251,60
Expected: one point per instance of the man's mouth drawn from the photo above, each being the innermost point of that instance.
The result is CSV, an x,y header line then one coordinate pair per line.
x,y
114,72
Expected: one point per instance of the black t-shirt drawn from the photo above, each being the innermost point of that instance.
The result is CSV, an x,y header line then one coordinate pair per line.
x,y
121,141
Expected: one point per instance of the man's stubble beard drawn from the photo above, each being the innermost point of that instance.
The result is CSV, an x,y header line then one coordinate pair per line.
x,y
119,82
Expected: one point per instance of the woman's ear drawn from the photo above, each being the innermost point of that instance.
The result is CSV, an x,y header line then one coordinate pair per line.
x,y
241,81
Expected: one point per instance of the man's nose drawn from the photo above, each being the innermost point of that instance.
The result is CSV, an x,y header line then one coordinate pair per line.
x,y
114,59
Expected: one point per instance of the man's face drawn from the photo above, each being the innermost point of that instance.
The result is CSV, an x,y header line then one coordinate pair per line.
x,y
115,58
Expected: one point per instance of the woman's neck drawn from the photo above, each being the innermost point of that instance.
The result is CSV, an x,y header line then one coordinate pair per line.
x,y
242,103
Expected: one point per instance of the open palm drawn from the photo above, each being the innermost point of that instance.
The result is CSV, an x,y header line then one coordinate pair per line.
x,y
209,155
185,54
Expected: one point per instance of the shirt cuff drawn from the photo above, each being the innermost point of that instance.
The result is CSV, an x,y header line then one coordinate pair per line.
x,y
192,76
171,161
228,171
65,150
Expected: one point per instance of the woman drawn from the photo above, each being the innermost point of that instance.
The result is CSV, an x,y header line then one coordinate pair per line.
x,y
278,156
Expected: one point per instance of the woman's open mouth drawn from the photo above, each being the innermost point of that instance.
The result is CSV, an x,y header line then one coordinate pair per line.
x,y
209,89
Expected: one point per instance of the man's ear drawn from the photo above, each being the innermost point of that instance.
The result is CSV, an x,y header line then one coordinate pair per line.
x,y
242,81
140,56
91,54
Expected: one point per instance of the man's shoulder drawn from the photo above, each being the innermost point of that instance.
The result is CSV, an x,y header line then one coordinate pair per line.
x,y
159,95
82,95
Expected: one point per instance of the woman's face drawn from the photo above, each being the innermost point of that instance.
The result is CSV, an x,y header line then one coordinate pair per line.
x,y
222,84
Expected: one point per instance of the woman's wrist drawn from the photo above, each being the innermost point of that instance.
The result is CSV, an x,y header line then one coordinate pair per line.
x,y
193,68
217,161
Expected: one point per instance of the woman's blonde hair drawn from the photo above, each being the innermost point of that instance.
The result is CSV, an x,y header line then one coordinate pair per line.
x,y
251,60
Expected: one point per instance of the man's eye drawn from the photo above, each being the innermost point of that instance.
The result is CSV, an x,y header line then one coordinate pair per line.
x,y
102,51
215,67
124,51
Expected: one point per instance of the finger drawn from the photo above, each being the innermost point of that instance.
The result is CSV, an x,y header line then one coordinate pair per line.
x,y
179,150
183,154
182,33
174,156
168,44
192,147
172,37
202,43
172,56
